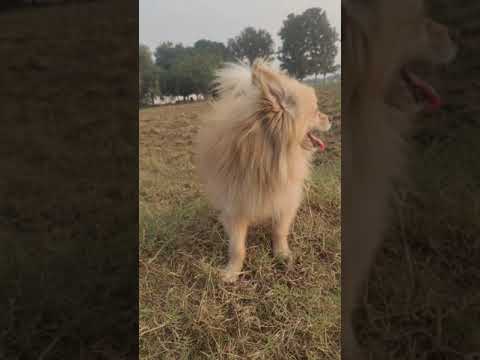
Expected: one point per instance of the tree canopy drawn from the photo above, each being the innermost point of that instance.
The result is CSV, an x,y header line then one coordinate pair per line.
x,y
309,47
251,44
178,69
309,44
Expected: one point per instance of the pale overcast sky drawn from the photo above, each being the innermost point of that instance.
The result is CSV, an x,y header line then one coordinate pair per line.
x,y
187,21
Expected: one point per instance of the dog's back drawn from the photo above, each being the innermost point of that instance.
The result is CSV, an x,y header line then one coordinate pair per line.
x,y
244,163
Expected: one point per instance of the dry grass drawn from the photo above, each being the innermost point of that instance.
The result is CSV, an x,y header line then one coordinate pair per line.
x,y
423,299
185,311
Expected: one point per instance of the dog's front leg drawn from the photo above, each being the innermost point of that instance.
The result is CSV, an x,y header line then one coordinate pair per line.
x,y
364,224
281,229
236,229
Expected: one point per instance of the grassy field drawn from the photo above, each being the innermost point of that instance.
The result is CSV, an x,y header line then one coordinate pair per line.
x,y
185,311
423,300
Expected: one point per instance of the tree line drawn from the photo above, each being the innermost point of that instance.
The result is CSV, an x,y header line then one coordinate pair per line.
x,y
309,48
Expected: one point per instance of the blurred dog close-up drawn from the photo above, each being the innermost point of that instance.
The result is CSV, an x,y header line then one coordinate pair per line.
x,y
254,151
385,45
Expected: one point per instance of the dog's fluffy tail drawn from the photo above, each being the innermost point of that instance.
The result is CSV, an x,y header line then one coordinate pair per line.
x,y
235,79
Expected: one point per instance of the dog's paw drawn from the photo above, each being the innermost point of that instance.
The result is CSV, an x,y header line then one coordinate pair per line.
x,y
284,257
228,275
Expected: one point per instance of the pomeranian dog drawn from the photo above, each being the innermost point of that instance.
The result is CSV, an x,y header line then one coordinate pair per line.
x,y
384,44
253,153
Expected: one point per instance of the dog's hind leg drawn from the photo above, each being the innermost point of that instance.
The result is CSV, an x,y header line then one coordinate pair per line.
x,y
236,229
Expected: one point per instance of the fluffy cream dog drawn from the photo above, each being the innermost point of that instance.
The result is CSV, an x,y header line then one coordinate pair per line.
x,y
383,41
254,151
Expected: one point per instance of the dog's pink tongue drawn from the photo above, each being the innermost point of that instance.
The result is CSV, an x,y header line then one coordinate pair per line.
x,y
317,142
433,99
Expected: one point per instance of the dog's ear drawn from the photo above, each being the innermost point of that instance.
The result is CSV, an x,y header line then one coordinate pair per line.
x,y
273,91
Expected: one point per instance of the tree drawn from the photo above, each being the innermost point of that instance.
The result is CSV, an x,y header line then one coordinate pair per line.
x,y
184,70
213,47
194,72
167,53
294,50
251,44
309,44
321,41
148,77
144,57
